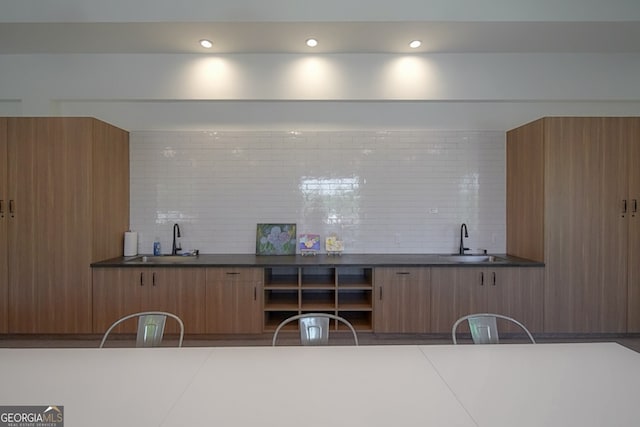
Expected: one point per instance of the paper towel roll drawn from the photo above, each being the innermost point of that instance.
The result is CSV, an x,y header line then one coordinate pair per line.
x,y
130,243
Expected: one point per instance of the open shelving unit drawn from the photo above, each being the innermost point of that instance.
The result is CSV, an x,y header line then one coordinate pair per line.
x,y
343,291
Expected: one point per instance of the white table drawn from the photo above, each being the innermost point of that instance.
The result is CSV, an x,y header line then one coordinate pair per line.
x,y
563,385
500,385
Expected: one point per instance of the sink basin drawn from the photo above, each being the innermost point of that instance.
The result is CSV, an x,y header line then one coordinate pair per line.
x,y
471,258
160,259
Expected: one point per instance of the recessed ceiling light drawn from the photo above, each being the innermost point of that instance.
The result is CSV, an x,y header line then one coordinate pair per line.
x,y
415,44
206,43
312,42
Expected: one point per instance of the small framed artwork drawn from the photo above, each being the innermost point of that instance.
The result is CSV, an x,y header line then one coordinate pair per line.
x,y
309,244
276,239
334,245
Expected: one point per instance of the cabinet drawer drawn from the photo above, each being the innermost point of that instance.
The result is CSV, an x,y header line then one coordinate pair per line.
x,y
407,275
234,274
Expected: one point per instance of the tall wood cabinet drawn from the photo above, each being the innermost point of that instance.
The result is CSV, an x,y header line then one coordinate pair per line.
x,y
633,217
66,204
4,219
571,187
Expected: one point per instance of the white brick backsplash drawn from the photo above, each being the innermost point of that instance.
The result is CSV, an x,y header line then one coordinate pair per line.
x,y
382,192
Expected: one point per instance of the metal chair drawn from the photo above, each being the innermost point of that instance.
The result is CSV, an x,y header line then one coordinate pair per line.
x,y
314,328
484,329
150,328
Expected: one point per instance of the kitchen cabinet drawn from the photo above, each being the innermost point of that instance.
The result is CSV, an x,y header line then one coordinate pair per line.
x,y
66,204
403,298
571,186
511,291
4,219
633,243
234,300
118,292
345,291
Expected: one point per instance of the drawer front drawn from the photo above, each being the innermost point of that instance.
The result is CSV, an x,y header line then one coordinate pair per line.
x,y
405,275
234,274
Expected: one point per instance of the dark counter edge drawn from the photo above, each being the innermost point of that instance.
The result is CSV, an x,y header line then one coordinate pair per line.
x,y
321,260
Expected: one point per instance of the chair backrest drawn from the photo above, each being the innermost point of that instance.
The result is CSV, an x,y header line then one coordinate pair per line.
x,y
150,328
314,328
484,329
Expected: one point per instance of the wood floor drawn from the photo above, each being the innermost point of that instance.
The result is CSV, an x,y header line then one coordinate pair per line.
x,y
288,338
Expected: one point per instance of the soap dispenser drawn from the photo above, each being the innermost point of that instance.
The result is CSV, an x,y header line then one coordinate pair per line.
x,y
156,247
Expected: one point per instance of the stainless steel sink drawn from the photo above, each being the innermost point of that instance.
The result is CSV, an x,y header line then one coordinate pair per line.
x,y
161,259
471,258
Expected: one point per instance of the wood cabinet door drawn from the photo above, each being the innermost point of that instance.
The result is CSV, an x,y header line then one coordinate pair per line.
x,y
234,300
517,292
402,300
633,256
49,232
4,219
456,292
525,191
586,238
117,292
178,290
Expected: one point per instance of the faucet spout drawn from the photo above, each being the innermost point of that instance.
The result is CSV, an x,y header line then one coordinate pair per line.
x,y
175,248
463,228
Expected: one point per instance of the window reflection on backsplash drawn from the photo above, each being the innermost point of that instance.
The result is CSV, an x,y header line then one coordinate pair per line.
x,y
336,200
393,191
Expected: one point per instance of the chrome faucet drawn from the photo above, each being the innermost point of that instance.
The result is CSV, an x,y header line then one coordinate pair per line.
x,y
466,234
175,248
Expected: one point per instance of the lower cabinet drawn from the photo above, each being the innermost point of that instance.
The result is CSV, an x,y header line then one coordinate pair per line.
x,y
121,291
512,291
402,300
253,300
234,300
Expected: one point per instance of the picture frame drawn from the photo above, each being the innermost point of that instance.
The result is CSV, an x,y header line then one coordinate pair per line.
x,y
276,239
309,243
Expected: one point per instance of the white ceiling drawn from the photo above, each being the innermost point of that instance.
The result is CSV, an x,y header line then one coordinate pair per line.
x,y
334,37
482,90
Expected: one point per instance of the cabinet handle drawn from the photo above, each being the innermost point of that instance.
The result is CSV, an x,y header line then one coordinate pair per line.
x,y
153,279
12,208
141,279
494,278
1,208
255,294
403,272
232,272
635,206
380,294
624,207
482,278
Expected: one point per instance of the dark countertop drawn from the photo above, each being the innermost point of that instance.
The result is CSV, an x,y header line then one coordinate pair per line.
x,y
321,260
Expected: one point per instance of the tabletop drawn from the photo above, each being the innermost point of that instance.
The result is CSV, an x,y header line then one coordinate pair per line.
x,y
431,385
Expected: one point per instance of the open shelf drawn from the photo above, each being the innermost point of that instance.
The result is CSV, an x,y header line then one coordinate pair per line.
x,y
281,277
273,318
355,299
318,299
277,299
355,277
360,320
336,290
318,277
